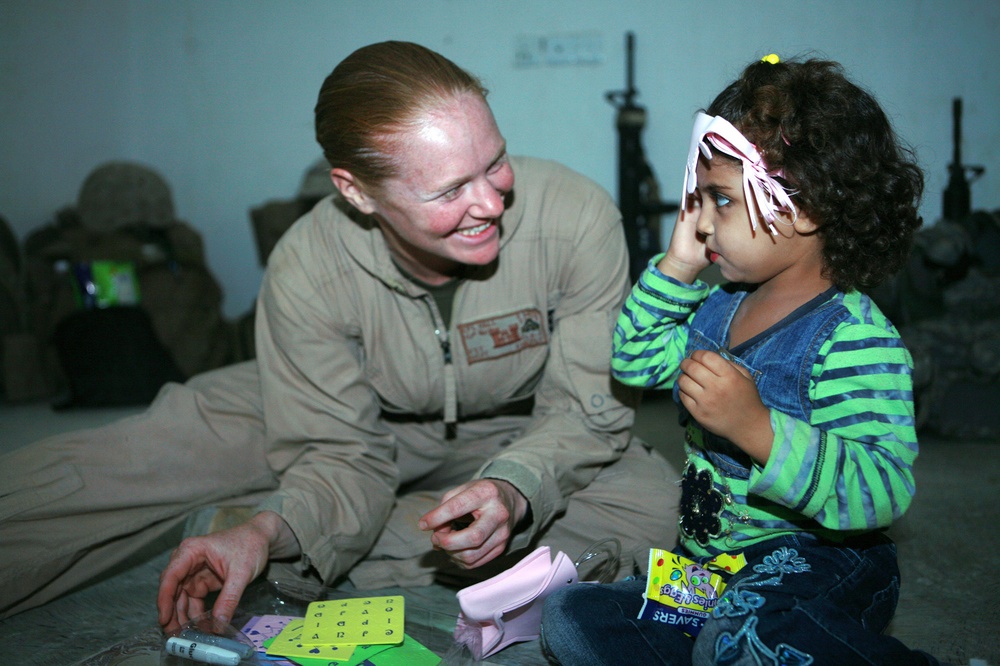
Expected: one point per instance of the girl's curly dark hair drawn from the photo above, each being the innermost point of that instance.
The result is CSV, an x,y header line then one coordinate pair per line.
x,y
849,171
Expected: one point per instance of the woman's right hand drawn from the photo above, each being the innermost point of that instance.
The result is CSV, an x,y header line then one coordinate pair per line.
x,y
687,255
226,561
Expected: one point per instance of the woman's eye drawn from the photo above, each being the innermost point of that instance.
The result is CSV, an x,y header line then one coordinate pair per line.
x,y
499,164
451,194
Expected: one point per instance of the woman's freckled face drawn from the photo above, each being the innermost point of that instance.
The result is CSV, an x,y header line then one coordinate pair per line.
x,y
443,209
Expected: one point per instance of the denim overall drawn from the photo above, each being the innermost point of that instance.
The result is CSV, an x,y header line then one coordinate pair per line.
x,y
799,599
780,361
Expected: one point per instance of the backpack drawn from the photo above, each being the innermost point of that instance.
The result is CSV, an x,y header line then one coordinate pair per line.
x,y
124,215
176,290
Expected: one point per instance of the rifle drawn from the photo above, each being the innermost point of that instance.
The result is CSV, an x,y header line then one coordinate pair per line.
x,y
958,196
638,191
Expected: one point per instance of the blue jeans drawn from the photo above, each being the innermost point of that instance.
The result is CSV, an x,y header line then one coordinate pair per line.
x,y
797,601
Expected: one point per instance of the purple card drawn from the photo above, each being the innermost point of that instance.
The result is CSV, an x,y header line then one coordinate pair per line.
x,y
263,627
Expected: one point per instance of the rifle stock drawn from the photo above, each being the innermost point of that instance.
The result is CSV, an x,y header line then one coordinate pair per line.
x,y
638,191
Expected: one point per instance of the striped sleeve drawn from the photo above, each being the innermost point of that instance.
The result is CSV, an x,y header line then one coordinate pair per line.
x,y
851,467
651,333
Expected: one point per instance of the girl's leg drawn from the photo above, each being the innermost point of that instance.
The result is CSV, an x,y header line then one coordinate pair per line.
x,y
587,624
802,602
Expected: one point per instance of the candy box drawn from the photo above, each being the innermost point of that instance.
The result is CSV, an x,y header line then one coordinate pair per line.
x,y
680,592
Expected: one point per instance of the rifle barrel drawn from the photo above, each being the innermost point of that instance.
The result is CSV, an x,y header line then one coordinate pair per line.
x,y
629,65
956,124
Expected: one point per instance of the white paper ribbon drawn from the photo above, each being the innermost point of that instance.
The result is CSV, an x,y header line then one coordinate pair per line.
x,y
759,184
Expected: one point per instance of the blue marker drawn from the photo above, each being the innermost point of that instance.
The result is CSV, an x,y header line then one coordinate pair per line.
x,y
207,654
230,644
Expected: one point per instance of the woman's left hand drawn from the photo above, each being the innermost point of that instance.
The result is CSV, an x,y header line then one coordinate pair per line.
x,y
475,521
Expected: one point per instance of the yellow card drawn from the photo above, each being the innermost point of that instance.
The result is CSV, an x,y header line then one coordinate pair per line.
x,y
289,644
365,621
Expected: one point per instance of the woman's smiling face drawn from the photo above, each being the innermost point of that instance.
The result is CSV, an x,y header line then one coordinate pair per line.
x,y
443,208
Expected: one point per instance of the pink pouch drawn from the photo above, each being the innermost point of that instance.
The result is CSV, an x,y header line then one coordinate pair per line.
x,y
507,608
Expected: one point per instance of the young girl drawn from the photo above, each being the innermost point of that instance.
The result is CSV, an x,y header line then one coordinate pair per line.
x,y
794,389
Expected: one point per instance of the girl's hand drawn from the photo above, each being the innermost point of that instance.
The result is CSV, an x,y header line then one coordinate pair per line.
x,y
724,399
687,255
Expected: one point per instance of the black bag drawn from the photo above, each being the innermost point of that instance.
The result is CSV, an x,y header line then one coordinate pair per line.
x,y
112,357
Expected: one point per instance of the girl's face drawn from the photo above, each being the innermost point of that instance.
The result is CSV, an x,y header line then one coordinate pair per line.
x,y
443,209
742,253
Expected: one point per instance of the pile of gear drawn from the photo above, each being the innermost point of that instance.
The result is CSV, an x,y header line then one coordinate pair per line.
x,y
110,300
114,298
946,305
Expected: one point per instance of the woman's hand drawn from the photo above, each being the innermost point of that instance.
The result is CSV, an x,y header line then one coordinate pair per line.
x,y
687,255
494,507
227,560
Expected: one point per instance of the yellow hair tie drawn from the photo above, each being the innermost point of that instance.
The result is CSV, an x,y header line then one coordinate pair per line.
x,y
771,58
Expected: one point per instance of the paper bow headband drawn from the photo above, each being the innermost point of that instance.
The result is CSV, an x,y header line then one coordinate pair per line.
x,y
759,184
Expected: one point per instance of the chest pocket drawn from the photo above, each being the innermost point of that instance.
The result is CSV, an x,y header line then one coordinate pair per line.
x,y
727,458
699,340
785,359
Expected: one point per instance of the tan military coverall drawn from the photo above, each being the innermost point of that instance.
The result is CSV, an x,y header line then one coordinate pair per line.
x,y
361,409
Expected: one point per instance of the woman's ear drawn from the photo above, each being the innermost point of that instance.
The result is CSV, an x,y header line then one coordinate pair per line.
x,y
352,190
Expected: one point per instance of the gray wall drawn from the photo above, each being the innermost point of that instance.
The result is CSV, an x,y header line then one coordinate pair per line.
x,y
217,95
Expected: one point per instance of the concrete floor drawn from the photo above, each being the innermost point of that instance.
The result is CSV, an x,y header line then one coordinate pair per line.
x,y
948,542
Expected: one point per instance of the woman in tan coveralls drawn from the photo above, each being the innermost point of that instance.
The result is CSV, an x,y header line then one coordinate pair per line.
x,y
432,345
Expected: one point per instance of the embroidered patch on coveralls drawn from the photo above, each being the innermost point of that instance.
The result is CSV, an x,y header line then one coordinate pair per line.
x,y
502,335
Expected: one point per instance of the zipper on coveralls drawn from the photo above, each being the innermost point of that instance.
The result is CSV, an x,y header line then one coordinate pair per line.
x,y
450,389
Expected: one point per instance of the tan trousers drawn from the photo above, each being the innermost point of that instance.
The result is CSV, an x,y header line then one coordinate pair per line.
x,y
77,505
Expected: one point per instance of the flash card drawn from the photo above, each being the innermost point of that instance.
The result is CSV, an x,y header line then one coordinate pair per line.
x,y
289,644
366,621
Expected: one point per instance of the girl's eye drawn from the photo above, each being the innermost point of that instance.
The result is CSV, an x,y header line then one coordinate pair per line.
x,y
720,200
